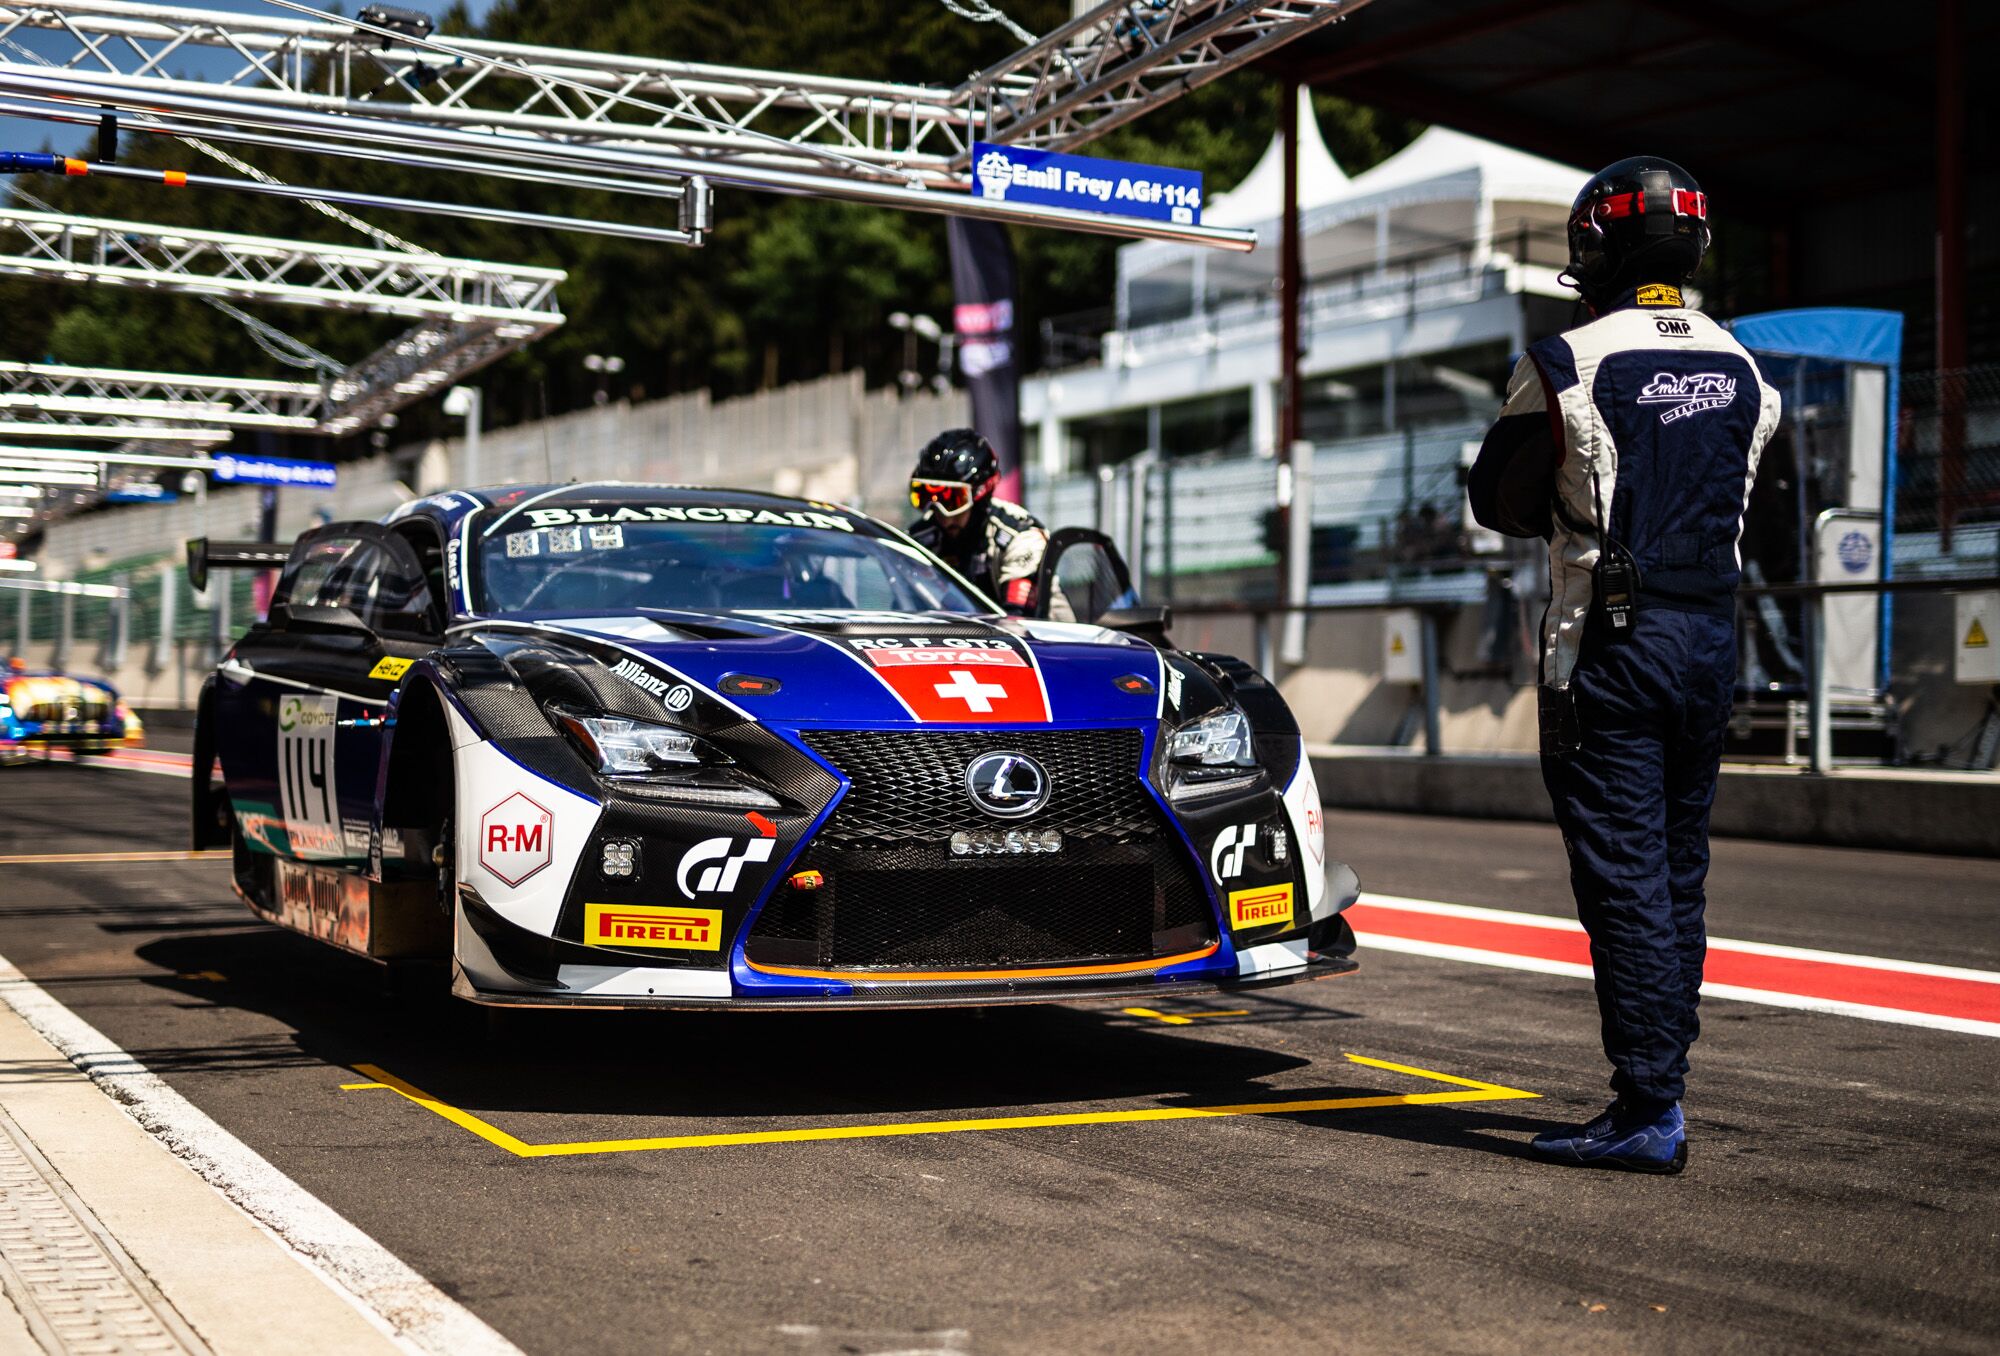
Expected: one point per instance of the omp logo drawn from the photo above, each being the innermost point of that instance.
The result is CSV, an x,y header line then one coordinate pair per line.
x,y
1225,859
1673,329
1259,907
661,929
995,176
1688,393
721,864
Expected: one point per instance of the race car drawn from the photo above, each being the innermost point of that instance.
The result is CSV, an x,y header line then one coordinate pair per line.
x,y
652,746
43,710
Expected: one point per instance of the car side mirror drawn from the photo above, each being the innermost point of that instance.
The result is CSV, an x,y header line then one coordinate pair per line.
x,y
335,621
1147,623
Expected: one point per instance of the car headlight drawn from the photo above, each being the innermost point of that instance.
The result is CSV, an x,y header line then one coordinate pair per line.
x,y
1218,741
1213,756
632,748
663,762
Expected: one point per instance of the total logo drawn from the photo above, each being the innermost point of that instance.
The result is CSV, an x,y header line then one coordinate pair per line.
x,y
714,865
1225,859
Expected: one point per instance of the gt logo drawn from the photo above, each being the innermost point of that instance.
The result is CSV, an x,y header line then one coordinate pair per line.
x,y
1225,859
721,864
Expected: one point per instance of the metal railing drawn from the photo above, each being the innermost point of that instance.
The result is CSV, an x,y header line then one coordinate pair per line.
x,y
1819,698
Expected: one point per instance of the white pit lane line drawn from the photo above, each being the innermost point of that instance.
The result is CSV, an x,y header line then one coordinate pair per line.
x,y
387,1291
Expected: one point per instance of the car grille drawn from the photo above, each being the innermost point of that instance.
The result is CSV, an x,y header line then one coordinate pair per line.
x,y
63,710
1120,890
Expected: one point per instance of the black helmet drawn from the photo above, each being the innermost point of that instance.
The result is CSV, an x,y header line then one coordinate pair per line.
x,y
1642,220
956,470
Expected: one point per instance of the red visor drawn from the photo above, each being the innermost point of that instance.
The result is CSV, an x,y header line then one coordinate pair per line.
x,y
948,497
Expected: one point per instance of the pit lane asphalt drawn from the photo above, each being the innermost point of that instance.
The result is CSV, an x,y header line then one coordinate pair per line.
x,y
1844,1192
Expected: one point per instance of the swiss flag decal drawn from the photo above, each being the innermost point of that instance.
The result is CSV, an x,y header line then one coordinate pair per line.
x,y
958,682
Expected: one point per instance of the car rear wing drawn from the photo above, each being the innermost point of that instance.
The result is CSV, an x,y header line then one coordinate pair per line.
x,y
204,555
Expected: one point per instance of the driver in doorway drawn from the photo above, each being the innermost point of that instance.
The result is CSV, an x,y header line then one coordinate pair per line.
x,y
995,544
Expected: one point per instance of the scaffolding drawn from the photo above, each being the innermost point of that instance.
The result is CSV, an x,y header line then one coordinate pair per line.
x,y
1102,68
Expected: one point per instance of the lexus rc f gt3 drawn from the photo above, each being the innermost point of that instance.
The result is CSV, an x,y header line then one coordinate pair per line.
x,y
627,746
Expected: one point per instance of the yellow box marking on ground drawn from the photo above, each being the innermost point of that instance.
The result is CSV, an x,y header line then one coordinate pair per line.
x,y
1474,1091
1183,1018
42,858
361,1087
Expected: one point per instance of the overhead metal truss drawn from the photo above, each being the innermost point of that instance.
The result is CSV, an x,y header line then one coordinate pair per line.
x,y
467,312
52,390
1107,66
766,130
411,285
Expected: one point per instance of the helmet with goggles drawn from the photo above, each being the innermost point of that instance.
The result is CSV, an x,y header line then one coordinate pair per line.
x,y
1642,220
956,470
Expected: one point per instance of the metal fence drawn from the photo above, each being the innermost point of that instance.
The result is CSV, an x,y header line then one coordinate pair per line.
x,y
1202,527
1948,482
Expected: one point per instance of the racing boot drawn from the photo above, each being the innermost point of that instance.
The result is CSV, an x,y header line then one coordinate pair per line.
x,y
1632,1138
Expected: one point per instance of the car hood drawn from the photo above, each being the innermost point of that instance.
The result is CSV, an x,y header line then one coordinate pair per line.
x,y
877,668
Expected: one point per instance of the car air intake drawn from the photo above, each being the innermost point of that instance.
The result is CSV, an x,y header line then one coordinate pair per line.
x,y
895,898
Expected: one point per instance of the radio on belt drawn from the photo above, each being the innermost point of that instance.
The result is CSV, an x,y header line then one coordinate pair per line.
x,y
1617,584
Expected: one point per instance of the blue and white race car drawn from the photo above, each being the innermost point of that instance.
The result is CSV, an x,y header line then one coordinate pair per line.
x,y
651,746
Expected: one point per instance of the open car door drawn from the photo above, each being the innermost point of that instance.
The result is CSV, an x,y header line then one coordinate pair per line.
x,y
297,709
1084,579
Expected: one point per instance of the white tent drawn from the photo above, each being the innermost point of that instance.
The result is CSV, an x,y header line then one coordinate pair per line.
x,y
1445,192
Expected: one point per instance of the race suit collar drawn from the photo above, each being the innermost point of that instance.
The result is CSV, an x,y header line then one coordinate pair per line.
x,y
1652,296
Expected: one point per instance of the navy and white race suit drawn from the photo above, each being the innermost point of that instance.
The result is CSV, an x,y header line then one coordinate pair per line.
x,y
1642,428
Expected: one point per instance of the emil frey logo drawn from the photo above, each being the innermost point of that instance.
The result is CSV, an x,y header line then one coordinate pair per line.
x,y
996,176
1688,394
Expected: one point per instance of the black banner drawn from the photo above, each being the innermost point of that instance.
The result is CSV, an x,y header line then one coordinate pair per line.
x,y
982,282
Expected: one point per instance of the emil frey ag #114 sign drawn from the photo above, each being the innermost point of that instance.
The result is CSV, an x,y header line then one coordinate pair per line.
x,y
1085,183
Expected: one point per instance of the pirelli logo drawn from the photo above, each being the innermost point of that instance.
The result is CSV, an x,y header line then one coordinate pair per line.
x,y
1260,906
641,925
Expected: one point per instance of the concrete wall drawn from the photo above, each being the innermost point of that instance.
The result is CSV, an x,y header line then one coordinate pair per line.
x,y
1899,808
827,439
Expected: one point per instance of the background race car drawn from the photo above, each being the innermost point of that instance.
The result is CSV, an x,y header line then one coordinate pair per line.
x,y
630,746
42,710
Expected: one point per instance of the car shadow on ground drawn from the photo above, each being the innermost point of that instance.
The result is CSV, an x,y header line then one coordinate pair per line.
x,y
720,1066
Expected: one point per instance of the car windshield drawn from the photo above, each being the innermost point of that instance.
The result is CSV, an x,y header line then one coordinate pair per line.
x,y
705,558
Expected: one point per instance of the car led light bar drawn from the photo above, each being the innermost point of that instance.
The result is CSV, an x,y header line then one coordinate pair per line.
x,y
997,842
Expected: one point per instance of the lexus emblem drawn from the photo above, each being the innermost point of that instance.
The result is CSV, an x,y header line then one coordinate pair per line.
x,y
1008,785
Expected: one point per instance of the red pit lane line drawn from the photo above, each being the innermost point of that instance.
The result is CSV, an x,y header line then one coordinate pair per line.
x,y
146,758
1958,995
